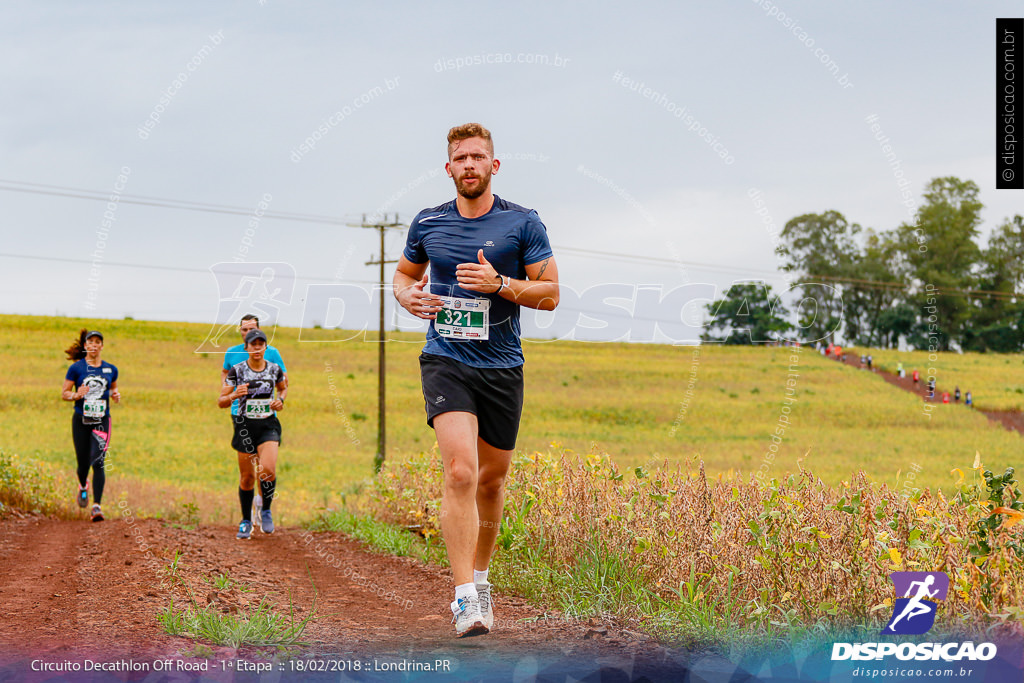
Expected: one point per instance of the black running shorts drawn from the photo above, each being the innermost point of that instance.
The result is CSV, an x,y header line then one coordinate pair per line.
x,y
251,433
494,395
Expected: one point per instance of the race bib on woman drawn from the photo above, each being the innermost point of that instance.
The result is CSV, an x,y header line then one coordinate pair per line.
x,y
94,407
258,408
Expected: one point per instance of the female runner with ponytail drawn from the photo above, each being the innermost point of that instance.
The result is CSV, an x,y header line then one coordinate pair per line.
x,y
91,383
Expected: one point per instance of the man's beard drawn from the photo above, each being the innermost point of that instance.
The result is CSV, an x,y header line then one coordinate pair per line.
x,y
482,185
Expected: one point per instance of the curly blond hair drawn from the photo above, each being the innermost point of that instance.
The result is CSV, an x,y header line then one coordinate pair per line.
x,y
466,131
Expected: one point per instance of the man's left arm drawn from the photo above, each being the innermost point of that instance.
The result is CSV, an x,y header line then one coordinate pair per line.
x,y
539,291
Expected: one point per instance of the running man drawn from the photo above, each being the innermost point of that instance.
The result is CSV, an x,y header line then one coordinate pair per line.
x,y
914,607
91,383
487,257
237,354
257,432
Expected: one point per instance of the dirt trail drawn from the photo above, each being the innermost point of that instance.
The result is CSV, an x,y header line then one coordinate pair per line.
x,y
1012,420
75,589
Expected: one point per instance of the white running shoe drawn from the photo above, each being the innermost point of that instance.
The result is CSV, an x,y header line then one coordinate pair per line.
x,y
467,618
483,593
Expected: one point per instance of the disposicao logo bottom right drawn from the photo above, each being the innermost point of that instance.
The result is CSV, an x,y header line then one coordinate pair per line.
x,y
914,613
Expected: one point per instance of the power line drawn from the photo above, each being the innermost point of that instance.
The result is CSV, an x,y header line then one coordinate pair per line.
x,y
637,259
633,259
880,284
203,207
163,203
150,266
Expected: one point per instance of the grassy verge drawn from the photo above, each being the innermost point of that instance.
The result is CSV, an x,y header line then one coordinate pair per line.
x,y
382,536
698,560
257,626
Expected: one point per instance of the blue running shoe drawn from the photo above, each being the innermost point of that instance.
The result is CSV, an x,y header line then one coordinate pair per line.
x,y
244,530
267,522
83,495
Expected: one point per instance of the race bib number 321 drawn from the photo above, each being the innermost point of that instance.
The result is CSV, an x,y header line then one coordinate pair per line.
x,y
461,319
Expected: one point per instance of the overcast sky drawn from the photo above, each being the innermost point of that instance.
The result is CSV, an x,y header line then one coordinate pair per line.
x,y
639,129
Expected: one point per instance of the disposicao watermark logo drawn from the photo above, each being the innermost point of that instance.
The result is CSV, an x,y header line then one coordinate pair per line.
x,y
914,613
260,289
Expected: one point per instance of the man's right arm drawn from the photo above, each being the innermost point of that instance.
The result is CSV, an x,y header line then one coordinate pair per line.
x,y
409,282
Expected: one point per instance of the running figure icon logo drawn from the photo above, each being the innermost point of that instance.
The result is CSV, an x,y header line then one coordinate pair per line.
x,y
263,289
914,613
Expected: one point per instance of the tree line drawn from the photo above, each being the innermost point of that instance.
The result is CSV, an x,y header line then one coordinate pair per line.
x,y
929,283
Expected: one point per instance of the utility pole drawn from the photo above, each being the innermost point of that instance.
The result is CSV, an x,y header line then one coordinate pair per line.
x,y
381,227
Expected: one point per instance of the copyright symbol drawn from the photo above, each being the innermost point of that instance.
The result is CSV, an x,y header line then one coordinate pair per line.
x,y
1008,174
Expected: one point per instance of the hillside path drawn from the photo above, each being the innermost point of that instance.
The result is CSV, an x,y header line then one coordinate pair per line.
x,y
1010,419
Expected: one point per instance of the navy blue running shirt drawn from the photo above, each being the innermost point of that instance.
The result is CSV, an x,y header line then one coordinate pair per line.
x,y
512,238
98,380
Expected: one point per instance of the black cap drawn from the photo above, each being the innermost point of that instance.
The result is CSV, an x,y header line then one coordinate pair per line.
x,y
94,333
253,335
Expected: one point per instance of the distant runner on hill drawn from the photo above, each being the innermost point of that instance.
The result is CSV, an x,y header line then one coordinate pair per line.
x,y
487,257
917,376
257,432
91,383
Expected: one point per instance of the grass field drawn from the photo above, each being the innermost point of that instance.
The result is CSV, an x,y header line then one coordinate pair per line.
x,y
995,380
641,404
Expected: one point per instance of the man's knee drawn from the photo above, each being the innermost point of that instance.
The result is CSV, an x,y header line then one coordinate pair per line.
x,y
247,481
490,485
460,476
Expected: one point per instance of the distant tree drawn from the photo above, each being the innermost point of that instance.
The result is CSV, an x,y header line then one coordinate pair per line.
x,y
818,248
896,322
996,322
940,252
748,314
874,288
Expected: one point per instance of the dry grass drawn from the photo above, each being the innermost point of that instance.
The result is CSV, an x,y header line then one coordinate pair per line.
x,y
694,557
29,486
